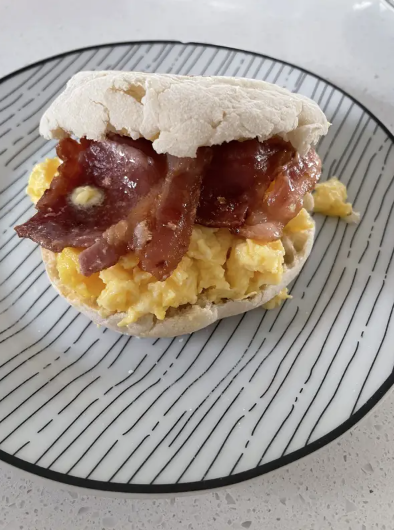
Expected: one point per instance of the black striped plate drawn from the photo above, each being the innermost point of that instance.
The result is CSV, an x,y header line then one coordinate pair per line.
x,y
92,408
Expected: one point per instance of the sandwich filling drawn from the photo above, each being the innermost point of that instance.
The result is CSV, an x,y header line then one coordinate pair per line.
x,y
118,196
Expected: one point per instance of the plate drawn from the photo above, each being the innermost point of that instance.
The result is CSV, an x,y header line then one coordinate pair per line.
x,y
92,408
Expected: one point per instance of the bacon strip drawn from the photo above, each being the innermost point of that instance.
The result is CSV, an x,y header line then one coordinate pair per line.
x,y
152,201
237,179
122,169
284,201
176,211
120,238
159,227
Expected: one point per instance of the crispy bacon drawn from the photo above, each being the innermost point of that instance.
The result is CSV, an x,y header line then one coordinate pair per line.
x,y
122,169
150,201
172,225
161,221
237,179
120,237
284,200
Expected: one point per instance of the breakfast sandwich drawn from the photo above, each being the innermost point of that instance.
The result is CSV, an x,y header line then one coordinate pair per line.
x,y
174,201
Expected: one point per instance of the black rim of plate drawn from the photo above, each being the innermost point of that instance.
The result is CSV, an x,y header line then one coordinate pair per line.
x,y
244,475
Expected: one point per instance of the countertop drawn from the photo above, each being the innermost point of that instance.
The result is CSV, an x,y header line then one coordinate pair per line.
x,y
346,485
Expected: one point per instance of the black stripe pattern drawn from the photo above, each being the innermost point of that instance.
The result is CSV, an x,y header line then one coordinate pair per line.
x,y
242,394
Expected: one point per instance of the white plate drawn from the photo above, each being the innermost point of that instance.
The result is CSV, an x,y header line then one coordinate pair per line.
x,y
91,408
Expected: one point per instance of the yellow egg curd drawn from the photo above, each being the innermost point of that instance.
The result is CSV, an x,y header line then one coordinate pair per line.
x,y
330,199
218,266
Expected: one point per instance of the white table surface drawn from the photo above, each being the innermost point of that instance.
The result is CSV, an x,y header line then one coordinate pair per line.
x,y
350,483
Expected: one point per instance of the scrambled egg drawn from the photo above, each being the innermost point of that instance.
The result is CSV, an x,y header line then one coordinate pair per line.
x,y
278,299
330,199
87,196
204,269
217,266
41,178
303,219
